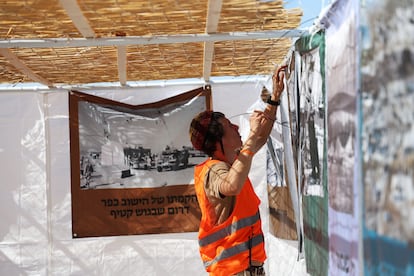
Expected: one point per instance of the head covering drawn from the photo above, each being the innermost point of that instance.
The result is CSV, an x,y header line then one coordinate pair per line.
x,y
199,128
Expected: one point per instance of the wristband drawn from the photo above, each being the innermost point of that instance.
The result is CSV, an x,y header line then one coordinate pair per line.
x,y
247,151
274,103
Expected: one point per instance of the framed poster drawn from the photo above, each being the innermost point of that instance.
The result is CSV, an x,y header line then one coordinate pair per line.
x,y
132,166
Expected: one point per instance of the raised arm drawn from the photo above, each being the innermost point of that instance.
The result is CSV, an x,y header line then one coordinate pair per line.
x,y
261,124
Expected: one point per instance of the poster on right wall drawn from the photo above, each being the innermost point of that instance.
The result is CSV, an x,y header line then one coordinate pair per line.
x,y
342,89
387,84
310,60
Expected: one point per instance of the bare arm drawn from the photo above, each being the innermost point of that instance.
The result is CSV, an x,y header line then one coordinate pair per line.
x,y
261,124
269,113
233,181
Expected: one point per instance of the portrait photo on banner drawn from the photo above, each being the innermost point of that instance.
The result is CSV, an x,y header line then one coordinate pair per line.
x,y
132,165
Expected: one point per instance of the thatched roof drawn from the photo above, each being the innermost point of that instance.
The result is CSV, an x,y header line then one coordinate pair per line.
x,y
69,42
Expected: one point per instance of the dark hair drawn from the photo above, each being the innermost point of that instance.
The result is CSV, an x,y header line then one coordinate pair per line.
x,y
214,134
205,131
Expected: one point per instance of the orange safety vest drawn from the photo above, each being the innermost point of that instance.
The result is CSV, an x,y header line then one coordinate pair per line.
x,y
225,248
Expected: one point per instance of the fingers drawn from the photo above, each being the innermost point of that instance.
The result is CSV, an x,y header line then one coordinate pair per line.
x,y
260,116
278,77
257,113
281,68
279,73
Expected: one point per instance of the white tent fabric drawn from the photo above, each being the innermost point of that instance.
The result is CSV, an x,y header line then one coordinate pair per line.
x,y
35,197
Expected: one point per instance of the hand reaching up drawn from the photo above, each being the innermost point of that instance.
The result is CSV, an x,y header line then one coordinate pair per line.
x,y
278,82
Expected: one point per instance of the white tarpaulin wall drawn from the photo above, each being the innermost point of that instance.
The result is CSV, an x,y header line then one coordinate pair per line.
x,y
35,197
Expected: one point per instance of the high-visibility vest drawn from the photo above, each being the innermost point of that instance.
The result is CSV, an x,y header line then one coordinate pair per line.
x,y
225,248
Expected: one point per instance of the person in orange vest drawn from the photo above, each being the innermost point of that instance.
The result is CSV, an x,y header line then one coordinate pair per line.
x,y
231,240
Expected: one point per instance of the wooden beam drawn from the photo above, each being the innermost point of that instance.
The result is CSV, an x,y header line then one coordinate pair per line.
x,y
23,68
78,19
213,17
122,65
208,60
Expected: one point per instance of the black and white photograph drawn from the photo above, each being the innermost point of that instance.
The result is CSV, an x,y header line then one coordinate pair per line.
x,y
342,118
136,148
311,123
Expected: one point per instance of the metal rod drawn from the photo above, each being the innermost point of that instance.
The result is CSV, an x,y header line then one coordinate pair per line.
x,y
146,40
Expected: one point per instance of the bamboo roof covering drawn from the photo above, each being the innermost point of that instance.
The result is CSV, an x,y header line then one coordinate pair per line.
x,y
69,42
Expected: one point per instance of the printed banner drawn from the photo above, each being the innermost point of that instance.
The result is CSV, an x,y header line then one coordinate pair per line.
x,y
342,90
281,209
284,207
312,179
132,166
387,72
